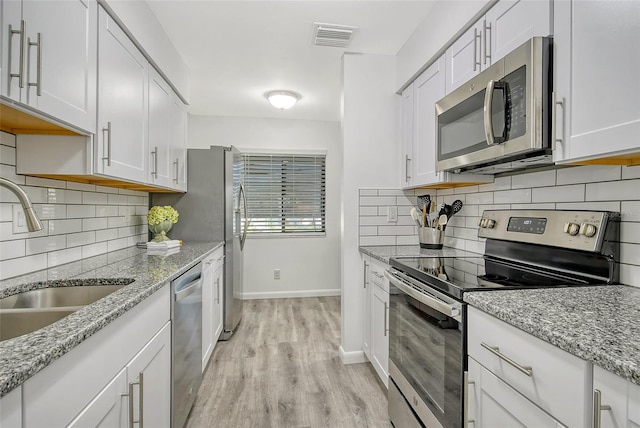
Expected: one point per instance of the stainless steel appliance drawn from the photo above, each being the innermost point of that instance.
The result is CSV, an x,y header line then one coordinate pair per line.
x,y
427,314
501,119
214,209
186,343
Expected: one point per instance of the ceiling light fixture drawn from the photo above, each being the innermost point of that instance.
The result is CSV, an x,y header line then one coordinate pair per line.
x,y
282,99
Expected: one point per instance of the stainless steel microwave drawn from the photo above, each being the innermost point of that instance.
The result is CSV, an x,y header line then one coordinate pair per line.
x,y
500,120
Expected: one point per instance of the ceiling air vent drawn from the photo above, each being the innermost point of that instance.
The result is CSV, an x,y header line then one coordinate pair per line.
x,y
333,35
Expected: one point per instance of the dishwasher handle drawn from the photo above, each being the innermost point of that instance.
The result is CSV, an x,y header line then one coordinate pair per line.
x,y
188,290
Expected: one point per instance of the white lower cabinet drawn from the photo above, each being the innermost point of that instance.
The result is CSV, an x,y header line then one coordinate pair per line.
x,y
11,409
378,319
88,386
619,400
212,268
519,377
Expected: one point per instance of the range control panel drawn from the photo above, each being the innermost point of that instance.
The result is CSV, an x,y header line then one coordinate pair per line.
x,y
579,230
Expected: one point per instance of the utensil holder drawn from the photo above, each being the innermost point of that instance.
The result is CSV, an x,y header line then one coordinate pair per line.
x,y
430,238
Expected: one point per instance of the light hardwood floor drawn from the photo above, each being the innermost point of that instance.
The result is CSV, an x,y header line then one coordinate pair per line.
x,y
282,369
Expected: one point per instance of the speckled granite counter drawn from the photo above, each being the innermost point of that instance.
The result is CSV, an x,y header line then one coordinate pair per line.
x,y
598,324
24,356
386,252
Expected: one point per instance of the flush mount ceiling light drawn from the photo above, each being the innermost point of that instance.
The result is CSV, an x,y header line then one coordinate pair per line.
x,y
282,99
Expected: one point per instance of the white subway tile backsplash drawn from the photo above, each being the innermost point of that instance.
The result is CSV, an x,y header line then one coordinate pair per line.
x,y
110,211
7,139
377,200
588,206
50,211
94,249
624,190
588,174
629,172
464,190
23,265
630,233
106,189
368,231
630,210
499,183
73,196
117,244
81,211
396,230
12,249
479,198
571,193
629,252
538,206
81,238
58,227
7,155
6,231
9,172
368,192
94,198
56,258
115,199
45,244
377,240
106,234
390,192
630,274
512,196
95,223
373,221
534,179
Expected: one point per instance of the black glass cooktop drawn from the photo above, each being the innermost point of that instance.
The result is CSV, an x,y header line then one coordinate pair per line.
x,y
457,275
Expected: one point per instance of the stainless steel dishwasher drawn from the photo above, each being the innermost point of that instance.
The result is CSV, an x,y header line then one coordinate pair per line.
x,y
186,343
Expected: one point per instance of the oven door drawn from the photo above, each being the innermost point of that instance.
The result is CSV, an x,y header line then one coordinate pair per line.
x,y
426,355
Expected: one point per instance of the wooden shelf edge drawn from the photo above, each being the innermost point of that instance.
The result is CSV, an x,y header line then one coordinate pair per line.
x,y
107,182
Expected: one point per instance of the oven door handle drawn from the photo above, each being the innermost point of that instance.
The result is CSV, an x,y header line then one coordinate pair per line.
x,y
423,298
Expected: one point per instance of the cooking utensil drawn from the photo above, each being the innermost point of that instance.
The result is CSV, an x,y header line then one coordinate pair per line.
x,y
424,200
415,215
442,221
457,206
424,215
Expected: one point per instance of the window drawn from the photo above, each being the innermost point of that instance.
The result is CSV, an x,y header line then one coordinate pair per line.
x,y
285,193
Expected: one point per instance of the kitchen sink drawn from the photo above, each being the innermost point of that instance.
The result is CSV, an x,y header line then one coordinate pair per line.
x,y
32,310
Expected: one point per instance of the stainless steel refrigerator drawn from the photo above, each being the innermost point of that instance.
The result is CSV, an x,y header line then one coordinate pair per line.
x,y
214,209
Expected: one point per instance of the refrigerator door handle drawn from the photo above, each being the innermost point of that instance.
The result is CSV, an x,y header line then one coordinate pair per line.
x,y
243,237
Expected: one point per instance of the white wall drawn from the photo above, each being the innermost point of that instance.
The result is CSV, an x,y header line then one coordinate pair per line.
x,y
370,138
444,23
308,266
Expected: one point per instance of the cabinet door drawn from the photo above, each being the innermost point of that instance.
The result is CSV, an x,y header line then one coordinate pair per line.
x,y
380,332
510,23
597,68
366,307
108,409
208,289
464,57
61,71
499,405
179,145
149,377
122,104
429,88
12,60
406,137
620,399
160,110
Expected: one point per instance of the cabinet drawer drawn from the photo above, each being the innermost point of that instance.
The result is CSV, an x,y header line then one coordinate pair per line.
x,y
558,381
377,274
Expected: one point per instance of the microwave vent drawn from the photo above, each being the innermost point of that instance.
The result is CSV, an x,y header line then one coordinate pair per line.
x,y
332,35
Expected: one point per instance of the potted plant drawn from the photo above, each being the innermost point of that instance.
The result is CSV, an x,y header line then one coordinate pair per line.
x,y
160,220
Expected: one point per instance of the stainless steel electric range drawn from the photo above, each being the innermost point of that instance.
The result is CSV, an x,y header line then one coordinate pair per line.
x,y
427,315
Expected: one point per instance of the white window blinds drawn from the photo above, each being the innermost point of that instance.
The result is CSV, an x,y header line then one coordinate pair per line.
x,y
285,193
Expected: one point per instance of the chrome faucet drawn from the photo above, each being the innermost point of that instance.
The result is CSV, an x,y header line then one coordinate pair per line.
x,y
33,222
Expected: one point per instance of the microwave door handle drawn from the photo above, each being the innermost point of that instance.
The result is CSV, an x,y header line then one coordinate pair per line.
x,y
488,106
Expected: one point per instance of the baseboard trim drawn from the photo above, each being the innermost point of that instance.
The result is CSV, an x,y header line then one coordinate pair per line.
x,y
353,357
289,294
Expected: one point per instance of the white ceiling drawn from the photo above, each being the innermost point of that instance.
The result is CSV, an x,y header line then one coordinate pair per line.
x,y
238,50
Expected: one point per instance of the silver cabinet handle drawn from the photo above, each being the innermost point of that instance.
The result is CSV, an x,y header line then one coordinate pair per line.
x,y
154,153
487,56
476,36
217,290
598,407
140,384
554,124
407,159
108,131
386,309
364,277
432,302
22,31
38,82
177,171
496,351
465,409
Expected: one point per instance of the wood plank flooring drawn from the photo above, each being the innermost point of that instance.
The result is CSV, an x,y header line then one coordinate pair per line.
x,y
282,369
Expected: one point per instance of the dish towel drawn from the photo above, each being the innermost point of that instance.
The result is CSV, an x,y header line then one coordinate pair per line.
x,y
164,248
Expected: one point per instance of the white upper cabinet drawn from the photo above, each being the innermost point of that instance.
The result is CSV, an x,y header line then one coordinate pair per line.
x,y
406,137
122,104
178,144
160,120
419,133
597,87
505,26
49,58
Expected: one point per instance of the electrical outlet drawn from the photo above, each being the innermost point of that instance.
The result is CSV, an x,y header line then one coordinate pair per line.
x,y
392,214
276,274
19,220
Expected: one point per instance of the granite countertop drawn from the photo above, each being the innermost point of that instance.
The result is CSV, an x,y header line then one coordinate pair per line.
x,y
386,252
24,356
598,324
